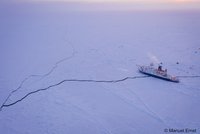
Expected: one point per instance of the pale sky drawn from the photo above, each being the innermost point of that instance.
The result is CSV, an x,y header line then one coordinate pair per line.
x,y
131,1
122,1
143,4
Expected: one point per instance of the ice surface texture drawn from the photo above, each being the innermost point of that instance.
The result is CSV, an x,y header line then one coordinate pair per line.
x,y
88,60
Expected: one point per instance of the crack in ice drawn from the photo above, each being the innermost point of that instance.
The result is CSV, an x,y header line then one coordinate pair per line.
x,y
69,80
189,76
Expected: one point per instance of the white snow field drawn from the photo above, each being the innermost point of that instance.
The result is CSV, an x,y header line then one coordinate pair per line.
x,y
74,72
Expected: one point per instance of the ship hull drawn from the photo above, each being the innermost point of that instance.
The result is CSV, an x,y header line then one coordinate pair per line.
x,y
151,72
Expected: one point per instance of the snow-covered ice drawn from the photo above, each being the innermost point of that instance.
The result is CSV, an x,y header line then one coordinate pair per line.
x,y
60,69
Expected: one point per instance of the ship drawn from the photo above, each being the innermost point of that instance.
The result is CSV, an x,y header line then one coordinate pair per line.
x,y
157,72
